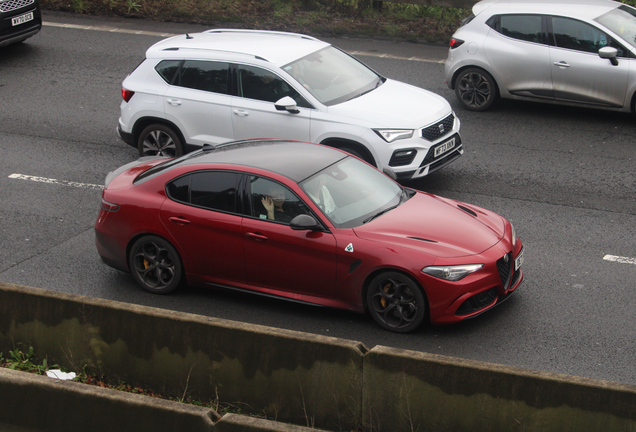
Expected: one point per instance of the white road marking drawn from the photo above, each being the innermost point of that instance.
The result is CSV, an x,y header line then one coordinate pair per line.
x,y
108,29
620,259
55,181
165,35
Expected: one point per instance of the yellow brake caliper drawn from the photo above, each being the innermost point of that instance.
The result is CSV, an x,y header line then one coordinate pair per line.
x,y
386,290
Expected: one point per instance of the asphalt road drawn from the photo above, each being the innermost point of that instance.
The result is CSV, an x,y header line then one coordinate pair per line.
x,y
563,176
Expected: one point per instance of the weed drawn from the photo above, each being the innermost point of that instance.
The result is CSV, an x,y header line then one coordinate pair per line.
x,y
25,361
132,6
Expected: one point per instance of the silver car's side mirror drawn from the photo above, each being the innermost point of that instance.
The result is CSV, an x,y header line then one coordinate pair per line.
x,y
287,104
609,53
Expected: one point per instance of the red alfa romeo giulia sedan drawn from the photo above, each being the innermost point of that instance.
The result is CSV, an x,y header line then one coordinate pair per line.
x,y
306,223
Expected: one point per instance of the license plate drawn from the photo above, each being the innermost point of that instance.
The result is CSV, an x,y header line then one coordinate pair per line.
x,y
22,19
519,260
445,147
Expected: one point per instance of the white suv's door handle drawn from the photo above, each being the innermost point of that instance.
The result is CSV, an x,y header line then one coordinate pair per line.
x,y
174,101
562,64
241,113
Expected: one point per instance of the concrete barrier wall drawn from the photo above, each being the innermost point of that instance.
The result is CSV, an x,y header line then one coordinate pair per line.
x,y
258,369
40,403
406,390
296,378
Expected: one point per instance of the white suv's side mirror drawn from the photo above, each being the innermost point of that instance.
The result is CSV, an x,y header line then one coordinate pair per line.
x,y
287,104
609,53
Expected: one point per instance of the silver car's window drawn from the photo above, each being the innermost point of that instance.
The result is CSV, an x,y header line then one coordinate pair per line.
x,y
261,84
523,27
350,191
621,21
332,76
577,35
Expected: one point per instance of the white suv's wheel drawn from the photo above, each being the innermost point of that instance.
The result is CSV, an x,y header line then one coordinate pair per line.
x,y
159,140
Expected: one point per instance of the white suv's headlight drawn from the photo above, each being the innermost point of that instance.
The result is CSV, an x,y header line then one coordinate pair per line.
x,y
452,273
390,135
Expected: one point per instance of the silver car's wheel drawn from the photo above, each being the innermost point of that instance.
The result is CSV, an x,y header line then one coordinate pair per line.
x,y
159,140
396,302
155,264
476,89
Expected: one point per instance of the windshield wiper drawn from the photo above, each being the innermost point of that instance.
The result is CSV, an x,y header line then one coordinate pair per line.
x,y
403,197
377,84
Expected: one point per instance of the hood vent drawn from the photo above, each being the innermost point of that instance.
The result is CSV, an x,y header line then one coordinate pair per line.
x,y
421,239
467,210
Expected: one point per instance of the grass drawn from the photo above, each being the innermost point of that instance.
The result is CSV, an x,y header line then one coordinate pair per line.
x,y
29,362
398,21
418,23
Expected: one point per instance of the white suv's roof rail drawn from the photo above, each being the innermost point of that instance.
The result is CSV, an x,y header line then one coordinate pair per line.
x,y
277,33
212,50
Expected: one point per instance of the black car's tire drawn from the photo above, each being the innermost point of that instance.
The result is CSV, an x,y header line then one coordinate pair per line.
x,y
155,265
476,89
396,302
159,140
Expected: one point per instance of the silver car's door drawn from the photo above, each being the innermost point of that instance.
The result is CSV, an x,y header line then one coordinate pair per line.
x,y
198,101
254,114
578,73
517,50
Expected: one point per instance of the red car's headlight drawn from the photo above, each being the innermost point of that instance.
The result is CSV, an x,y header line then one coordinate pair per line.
x,y
452,273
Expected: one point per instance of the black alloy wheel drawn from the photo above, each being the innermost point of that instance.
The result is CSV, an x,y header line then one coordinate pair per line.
x,y
155,265
396,302
476,89
159,140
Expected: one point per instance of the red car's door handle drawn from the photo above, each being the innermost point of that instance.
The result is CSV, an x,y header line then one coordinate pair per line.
x,y
179,220
258,237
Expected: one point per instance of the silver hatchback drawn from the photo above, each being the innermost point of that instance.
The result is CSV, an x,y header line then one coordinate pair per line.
x,y
571,52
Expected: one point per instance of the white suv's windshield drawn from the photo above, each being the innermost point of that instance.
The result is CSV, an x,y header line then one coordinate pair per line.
x,y
621,21
351,192
333,76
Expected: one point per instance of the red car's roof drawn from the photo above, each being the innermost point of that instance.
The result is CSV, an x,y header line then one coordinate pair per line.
x,y
293,159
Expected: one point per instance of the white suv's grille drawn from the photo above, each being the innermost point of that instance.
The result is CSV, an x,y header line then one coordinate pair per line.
x,y
9,5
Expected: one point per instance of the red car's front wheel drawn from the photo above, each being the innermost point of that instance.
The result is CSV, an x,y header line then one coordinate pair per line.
x,y
396,302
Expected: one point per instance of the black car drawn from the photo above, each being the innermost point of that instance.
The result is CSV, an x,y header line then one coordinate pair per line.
x,y
20,19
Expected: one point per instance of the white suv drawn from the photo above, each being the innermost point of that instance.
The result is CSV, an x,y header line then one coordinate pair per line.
x,y
224,85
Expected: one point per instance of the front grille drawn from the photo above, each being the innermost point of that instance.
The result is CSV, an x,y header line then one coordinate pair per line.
x,y
477,302
504,267
402,157
9,5
439,129
515,278
430,156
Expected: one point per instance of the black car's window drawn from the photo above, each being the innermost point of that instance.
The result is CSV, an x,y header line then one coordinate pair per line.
x,y
204,75
272,201
167,69
264,85
523,27
215,190
577,35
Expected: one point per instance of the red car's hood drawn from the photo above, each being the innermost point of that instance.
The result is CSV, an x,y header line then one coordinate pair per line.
x,y
437,226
